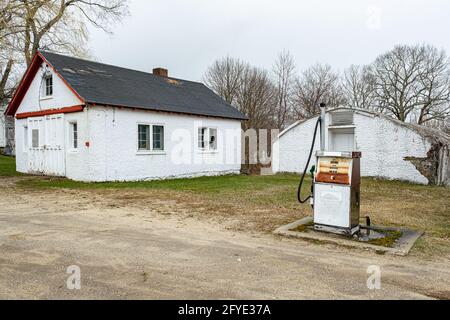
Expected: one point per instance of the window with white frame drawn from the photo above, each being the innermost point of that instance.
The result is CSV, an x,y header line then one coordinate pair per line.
x,y
74,135
150,137
207,139
212,139
25,138
158,138
35,138
48,86
143,137
202,138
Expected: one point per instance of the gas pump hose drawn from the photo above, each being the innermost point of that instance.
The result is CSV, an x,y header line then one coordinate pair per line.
x,y
299,196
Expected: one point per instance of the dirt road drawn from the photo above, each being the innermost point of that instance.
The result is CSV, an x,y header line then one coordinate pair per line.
x,y
165,252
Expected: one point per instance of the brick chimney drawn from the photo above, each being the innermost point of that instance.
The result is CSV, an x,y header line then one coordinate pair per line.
x,y
161,72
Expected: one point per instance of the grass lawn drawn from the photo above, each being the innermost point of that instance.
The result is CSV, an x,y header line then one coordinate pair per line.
x,y
8,167
262,203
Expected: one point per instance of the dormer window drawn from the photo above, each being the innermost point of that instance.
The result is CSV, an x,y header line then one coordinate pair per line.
x,y
48,89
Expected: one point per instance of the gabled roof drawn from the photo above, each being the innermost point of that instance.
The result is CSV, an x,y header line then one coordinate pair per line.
x,y
102,84
426,132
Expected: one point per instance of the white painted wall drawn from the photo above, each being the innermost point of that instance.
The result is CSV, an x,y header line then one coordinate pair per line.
x,y
21,149
291,150
62,95
384,145
112,154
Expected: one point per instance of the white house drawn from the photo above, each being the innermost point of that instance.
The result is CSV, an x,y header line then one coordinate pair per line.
x,y
94,122
390,149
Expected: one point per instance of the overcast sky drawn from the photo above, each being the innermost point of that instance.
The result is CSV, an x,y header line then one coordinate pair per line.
x,y
186,36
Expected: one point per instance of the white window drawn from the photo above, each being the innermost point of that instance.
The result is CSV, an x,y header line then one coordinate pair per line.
x,y
25,138
143,137
35,138
212,139
202,138
48,88
74,135
158,138
207,139
150,137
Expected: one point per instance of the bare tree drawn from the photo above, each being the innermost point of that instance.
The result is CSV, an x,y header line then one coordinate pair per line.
x,y
58,25
9,14
256,98
317,84
412,83
445,126
358,86
49,23
10,27
224,77
284,76
247,88
251,91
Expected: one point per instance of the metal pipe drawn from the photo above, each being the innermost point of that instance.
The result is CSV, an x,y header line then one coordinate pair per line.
x,y
323,110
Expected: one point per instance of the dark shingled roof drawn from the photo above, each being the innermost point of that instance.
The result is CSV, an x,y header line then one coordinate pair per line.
x,y
103,84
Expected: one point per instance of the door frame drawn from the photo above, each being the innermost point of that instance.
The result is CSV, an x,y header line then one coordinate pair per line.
x,y
49,158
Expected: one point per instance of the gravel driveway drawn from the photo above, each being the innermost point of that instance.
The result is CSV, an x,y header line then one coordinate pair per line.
x,y
128,252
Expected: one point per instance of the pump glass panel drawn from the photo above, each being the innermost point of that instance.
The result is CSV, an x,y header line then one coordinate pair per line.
x,y
334,170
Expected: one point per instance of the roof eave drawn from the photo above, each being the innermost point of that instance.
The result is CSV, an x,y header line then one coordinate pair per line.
x,y
94,103
27,79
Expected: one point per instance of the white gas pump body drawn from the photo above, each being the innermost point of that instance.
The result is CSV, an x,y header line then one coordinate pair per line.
x,y
332,206
337,192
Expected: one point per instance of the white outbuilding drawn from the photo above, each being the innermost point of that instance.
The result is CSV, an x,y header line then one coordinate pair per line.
x,y
90,121
390,149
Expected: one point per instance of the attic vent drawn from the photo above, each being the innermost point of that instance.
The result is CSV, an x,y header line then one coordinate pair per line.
x,y
342,118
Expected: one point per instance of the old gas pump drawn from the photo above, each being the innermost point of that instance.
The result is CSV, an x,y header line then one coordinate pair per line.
x,y
335,195
337,192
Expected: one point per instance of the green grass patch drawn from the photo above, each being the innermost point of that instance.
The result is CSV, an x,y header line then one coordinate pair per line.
x,y
222,184
388,240
304,227
8,167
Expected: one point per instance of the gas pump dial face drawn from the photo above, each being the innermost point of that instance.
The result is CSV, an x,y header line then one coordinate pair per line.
x,y
334,170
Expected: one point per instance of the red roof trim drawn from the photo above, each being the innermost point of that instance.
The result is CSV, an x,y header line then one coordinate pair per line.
x,y
62,78
25,83
49,112
23,86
